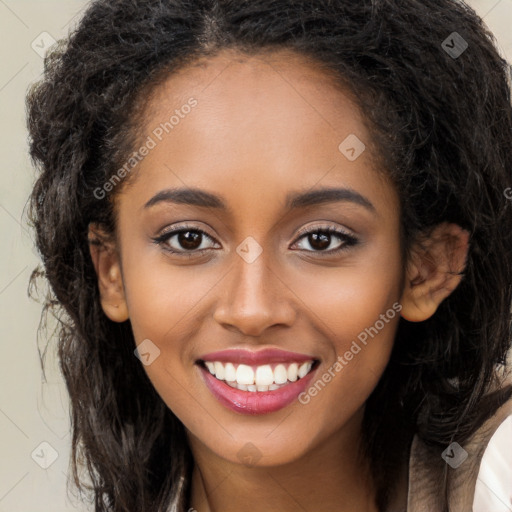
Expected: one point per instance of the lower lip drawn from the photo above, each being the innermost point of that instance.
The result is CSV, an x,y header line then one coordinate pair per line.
x,y
258,402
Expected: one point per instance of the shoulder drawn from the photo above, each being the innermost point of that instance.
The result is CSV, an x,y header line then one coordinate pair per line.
x,y
454,472
493,490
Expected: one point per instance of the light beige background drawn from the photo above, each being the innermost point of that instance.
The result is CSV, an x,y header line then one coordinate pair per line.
x,y
32,411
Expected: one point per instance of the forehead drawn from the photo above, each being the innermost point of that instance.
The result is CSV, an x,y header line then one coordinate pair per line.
x,y
279,86
268,121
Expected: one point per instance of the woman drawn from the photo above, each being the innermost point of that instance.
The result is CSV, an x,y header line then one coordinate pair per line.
x,y
279,237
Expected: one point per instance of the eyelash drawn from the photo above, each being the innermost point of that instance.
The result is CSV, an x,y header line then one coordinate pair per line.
x,y
348,240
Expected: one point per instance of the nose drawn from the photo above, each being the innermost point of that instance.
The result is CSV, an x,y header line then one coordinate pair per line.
x,y
254,298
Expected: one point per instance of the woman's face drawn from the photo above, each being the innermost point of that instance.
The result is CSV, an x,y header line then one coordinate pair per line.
x,y
288,255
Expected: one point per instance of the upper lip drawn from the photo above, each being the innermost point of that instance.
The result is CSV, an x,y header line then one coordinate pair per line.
x,y
259,357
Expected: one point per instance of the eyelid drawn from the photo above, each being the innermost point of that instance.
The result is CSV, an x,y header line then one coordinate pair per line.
x,y
325,227
184,226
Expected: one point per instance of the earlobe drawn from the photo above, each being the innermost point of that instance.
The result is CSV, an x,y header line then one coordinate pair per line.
x,y
105,258
434,271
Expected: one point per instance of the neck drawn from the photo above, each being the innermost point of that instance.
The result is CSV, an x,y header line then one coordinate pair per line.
x,y
332,477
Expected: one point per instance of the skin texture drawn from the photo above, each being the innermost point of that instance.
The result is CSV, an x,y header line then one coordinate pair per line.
x,y
264,127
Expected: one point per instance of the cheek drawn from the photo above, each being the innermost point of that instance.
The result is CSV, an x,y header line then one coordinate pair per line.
x,y
163,308
360,319
357,309
166,306
351,298
163,300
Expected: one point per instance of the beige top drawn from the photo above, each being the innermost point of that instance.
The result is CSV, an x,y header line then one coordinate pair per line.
x,y
430,477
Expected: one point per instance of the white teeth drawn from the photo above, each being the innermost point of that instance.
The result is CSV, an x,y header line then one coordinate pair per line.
x,y
304,369
280,374
244,374
229,372
219,370
261,378
264,375
292,372
252,387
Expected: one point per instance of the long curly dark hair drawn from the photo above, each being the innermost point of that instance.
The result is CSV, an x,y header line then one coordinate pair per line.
x,y
442,126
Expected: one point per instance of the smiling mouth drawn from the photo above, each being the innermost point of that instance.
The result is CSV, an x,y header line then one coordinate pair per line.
x,y
259,378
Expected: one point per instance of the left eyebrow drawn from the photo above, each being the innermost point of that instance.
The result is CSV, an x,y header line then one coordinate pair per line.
x,y
327,195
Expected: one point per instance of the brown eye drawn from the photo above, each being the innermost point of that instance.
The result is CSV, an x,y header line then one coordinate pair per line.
x,y
326,240
187,241
319,241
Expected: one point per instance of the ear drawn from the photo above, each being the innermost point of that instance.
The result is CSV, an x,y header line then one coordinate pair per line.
x,y
105,258
434,270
